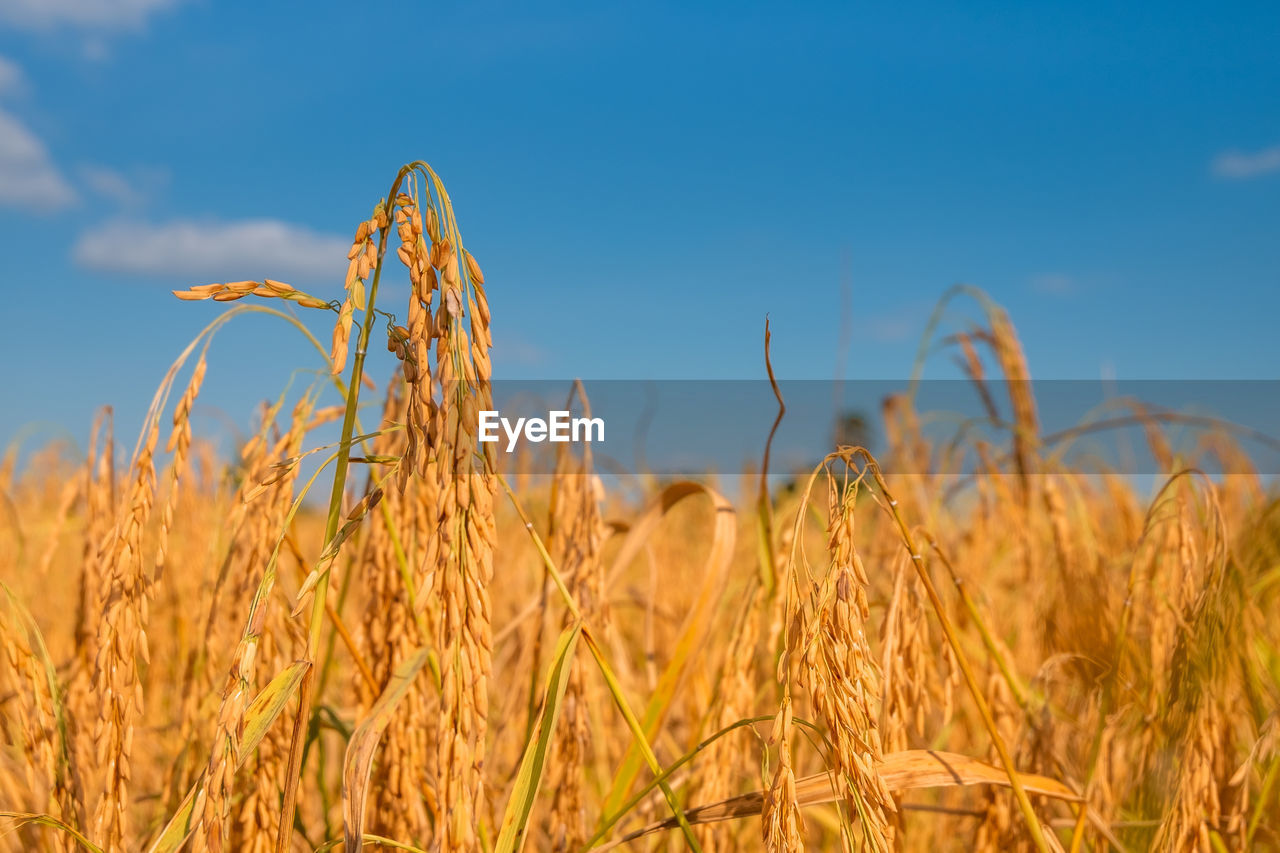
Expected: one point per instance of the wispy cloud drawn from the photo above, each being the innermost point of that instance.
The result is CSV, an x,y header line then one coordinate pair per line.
x,y
129,191
896,324
217,251
1053,284
28,177
11,77
87,15
1247,164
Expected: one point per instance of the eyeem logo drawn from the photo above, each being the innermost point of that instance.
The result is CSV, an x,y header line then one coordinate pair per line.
x,y
558,427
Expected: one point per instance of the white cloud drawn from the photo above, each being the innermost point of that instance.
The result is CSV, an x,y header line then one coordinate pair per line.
x,y
213,251
28,177
1242,164
100,15
11,78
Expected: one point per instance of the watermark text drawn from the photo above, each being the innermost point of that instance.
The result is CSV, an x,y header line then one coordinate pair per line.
x,y
558,426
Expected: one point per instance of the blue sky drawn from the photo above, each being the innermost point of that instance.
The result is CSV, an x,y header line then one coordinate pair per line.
x,y
642,183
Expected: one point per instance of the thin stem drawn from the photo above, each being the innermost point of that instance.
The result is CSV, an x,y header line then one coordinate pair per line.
x,y
615,688
1019,792
332,522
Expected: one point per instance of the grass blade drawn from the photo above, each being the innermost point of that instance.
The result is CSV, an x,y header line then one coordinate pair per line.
x,y
903,771
516,819
697,623
258,717
364,744
21,818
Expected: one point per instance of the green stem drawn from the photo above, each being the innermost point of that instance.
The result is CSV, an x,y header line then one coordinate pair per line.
x,y
332,522
1264,796
608,823
615,688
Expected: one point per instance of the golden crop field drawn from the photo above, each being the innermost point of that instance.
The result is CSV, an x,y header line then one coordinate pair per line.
x,y
445,657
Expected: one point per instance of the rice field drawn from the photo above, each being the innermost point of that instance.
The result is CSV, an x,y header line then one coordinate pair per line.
x,y
390,642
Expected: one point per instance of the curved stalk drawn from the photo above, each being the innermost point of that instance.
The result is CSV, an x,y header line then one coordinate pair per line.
x,y
332,521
